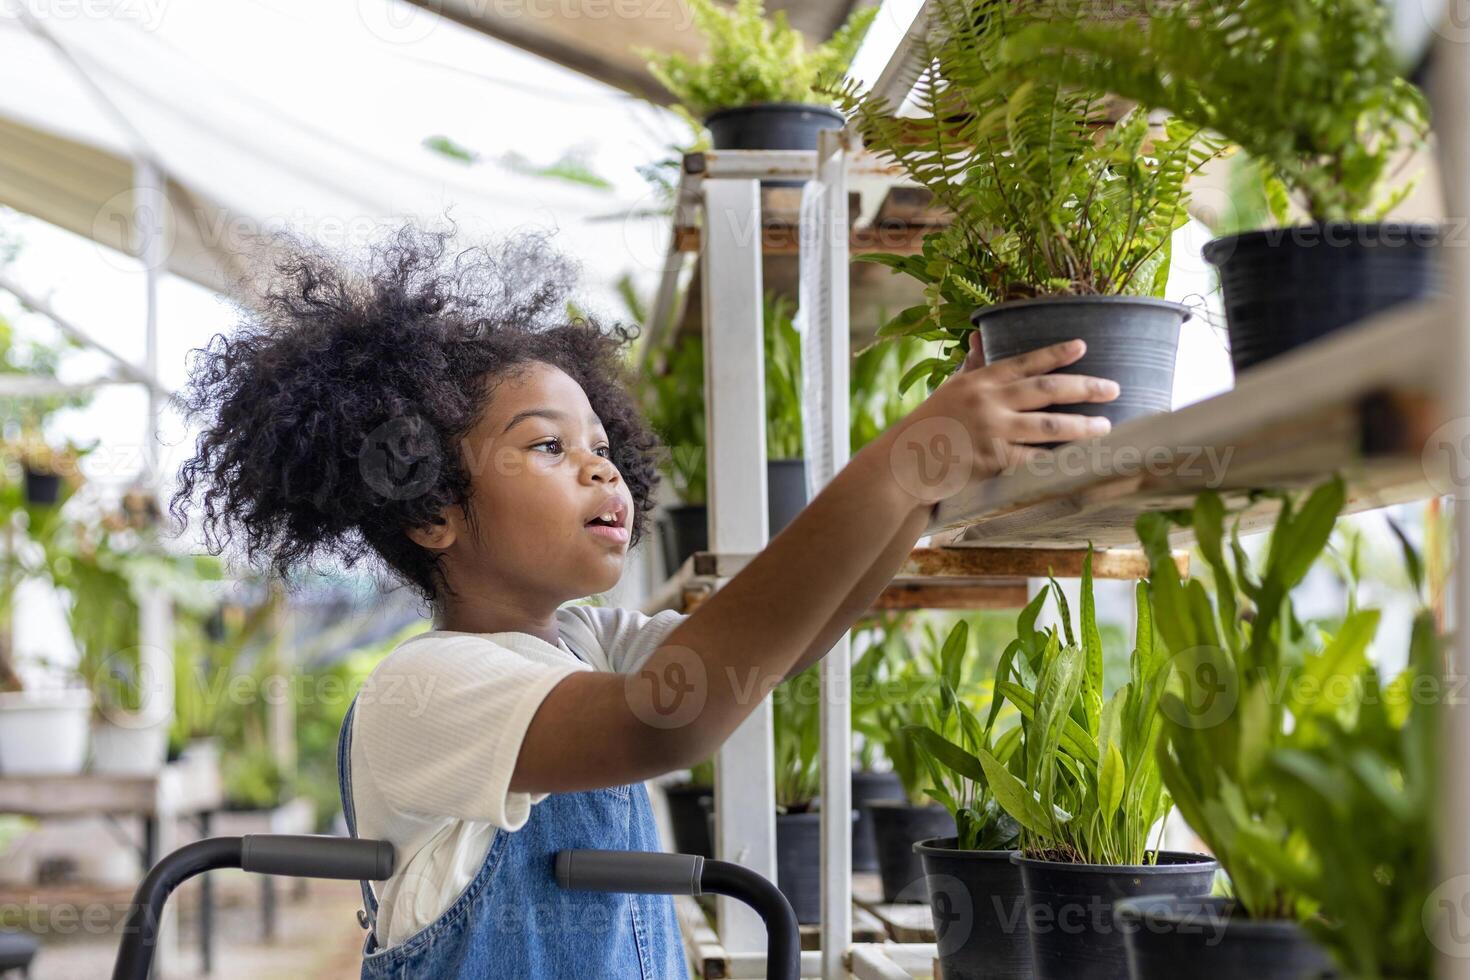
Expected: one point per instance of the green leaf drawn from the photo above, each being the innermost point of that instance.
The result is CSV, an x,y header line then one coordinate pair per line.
x,y
948,753
1092,685
1015,798
1110,777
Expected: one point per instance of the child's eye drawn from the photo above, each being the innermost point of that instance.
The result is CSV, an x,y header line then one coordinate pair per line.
x,y
606,452
550,442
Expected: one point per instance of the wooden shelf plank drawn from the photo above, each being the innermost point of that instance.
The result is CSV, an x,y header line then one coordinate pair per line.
x,y
967,577
1360,403
934,566
782,238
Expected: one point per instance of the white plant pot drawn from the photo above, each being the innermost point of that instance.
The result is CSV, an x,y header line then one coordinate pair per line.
x,y
128,750
43,733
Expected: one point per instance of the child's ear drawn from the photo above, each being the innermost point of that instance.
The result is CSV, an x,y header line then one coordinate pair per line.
x,y
436,536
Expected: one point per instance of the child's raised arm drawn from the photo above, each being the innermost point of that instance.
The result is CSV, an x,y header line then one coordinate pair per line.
x,y
789,606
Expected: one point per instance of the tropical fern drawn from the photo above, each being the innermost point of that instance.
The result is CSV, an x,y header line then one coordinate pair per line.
x,y
751,58
1310,88
1050,194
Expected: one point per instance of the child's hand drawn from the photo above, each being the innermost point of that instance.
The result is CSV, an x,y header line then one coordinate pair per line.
x,y
983,418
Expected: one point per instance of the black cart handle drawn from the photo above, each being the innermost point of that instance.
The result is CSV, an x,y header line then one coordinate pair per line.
x,y
297,855
651,872
317,856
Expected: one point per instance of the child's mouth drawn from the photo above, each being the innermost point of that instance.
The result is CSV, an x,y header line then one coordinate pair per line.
x,y
609,525
609,532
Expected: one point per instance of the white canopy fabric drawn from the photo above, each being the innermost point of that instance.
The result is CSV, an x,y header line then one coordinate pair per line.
x,y
310,117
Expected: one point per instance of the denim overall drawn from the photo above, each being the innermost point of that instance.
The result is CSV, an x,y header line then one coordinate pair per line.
x,y
513,920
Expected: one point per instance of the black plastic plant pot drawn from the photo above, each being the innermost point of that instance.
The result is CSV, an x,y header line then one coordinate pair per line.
x,y
785,492
799,863
867,788
898,825
685,531
979,912
42,488
1285,287
1132,340
689,807
771,126
1204,938
1070,909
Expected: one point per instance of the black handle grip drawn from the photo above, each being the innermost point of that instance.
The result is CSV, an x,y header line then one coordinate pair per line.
x,y
317,856
648,872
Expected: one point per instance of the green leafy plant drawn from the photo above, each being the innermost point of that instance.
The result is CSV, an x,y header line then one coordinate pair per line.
x,y
783,378
751,59
703,774
796,722
1361,780
881,398
1083,780
1049,195
673,403
1362,787
883,632
1235,656
947,740
1309,88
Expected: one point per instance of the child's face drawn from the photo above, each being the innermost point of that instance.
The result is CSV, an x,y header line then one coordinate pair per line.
x,y
537,479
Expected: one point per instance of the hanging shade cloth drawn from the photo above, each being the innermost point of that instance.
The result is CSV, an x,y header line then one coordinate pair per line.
x,y
308,119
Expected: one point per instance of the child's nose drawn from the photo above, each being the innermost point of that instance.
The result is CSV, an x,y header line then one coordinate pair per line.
x,y
602,468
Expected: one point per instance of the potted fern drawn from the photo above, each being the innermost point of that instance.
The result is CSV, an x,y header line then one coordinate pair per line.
x,y
1084,784
1312,91
1062,218
755,88
1234,655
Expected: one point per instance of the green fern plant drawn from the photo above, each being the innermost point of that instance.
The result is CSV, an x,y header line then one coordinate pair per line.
x,y
1050,196
1309,88
751,59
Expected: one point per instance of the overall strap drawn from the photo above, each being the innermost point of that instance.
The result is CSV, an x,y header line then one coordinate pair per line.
x,y
367,916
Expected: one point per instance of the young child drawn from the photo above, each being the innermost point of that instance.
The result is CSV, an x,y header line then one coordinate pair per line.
x,y
445,417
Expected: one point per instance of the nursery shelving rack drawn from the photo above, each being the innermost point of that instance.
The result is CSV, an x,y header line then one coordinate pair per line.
x,y
1386,403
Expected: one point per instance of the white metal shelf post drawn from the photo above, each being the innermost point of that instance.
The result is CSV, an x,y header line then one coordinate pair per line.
x,y
1452,130
734,376
828,322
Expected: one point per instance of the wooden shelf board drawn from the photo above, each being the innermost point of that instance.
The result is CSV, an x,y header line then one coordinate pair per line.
x,y
782,238
1361,403
904,923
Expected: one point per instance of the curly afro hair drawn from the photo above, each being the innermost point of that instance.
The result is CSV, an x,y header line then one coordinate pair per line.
x,y
333,417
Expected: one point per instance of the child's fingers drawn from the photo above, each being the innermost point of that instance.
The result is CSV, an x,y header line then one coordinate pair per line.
x,y
975,356
1028,427
1043,360
1029,394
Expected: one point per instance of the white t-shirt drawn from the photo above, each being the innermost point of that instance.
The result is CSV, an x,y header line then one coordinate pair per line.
x,y
436,734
